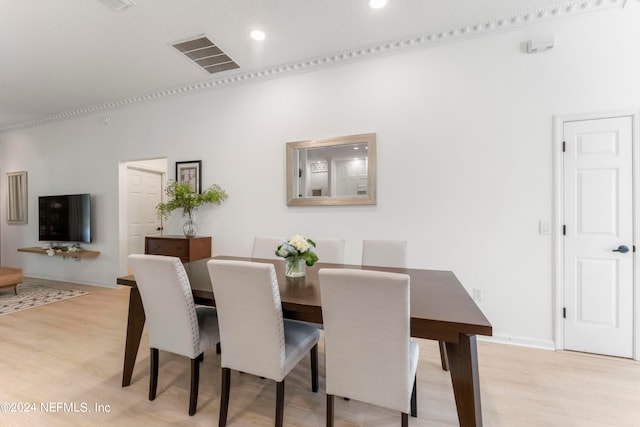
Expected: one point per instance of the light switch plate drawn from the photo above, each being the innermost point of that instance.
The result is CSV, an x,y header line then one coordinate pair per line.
x,y
544,227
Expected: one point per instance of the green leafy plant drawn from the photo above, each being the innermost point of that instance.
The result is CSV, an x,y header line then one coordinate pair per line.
x,y
182,196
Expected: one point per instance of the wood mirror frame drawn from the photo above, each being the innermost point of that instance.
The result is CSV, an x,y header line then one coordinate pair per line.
x,y
325,158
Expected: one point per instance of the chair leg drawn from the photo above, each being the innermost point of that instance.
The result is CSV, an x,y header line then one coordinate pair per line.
x,y
153,373
195,379
330,402
224,396
218,348
279,403
405,420
414,398
444,358
314,368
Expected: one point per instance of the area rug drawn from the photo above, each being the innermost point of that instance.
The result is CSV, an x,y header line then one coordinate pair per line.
x,y
30,296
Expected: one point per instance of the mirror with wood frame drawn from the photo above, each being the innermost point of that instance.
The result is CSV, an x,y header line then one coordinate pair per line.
x,y
333,171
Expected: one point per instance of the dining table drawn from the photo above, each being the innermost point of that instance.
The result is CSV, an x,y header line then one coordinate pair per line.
x,y
441,309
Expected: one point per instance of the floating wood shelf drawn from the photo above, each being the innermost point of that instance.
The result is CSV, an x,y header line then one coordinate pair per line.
x,y
64,254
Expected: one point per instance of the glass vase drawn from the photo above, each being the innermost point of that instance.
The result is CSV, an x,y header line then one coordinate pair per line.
x,y
294,266
190,228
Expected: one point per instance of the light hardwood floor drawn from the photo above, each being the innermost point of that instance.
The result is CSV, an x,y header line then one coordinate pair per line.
x,y
71,352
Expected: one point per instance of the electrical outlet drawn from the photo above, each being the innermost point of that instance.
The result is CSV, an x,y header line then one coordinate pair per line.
x,y
477,294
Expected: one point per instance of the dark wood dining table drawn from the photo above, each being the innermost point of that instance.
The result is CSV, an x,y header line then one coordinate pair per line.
x,y
441,309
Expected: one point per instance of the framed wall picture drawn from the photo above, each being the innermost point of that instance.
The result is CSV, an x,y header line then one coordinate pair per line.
x,y
190,172
319,167
17,198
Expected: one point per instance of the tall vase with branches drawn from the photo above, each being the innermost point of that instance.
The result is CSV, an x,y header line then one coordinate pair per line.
x,y
182,196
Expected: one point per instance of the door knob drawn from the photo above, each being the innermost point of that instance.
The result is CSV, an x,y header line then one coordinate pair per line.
x,y
622,249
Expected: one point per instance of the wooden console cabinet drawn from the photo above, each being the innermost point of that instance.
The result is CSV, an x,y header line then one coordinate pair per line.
x,y
187,249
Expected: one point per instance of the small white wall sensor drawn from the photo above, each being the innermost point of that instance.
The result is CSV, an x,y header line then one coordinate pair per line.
x,y
540,45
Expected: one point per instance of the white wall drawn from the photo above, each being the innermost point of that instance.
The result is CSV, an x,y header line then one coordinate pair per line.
x,y
465,155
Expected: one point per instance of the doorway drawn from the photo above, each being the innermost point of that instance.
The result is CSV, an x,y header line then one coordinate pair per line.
x,y
144,192
595,223
141,189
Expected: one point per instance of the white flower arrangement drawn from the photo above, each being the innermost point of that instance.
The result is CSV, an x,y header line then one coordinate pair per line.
x,y
298,246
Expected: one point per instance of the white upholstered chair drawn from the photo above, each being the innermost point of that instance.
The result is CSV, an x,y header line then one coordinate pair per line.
x,y
393,253
265,247
330,250
369,357
174,323
255,338
384,253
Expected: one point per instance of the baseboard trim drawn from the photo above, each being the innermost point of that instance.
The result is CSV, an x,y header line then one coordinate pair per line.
x,y
520,341
60,283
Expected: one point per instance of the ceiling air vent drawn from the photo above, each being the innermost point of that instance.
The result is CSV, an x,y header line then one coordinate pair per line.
x,y
207,55
118,4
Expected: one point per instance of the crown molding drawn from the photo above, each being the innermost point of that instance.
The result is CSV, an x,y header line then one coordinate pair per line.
x,y
420,41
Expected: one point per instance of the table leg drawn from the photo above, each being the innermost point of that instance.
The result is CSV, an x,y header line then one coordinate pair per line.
x,y
463,365
135,324
444,359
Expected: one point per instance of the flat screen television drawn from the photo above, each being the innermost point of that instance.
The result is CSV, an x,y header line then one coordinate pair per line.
x,y
65,218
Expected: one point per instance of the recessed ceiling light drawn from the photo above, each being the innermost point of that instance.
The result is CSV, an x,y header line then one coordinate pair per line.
x,y
257,35
377,4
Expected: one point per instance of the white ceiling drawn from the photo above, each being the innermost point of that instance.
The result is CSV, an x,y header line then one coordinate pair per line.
x,y
69,57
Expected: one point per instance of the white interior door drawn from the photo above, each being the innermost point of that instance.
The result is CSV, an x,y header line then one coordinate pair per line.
x,y
351,177
144,192
598,221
